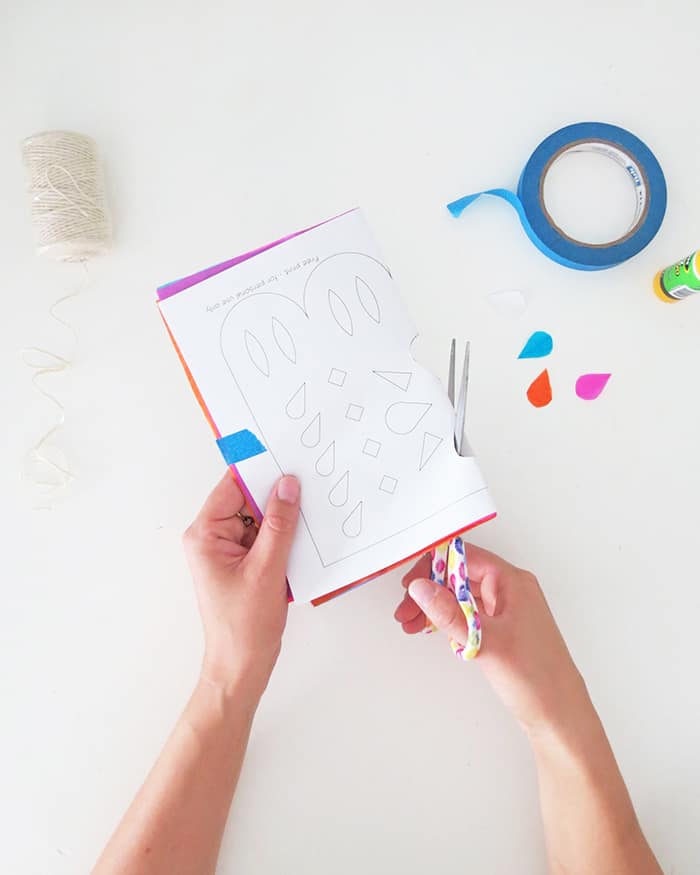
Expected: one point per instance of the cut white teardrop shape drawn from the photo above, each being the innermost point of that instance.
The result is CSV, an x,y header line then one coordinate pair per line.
x,y
339,493
340,312
352,526
296,406
311,436
367,299
325,464
403,416
508,302
284,341
257,353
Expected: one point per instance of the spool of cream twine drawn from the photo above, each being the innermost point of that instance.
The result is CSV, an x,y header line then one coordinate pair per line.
x,y
71,221
66,188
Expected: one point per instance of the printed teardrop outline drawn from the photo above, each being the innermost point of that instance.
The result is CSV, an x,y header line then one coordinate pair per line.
x,y
340,312
339,493
402,417
352,524
325,464
368,300
296,406
311,436
284,341
256,352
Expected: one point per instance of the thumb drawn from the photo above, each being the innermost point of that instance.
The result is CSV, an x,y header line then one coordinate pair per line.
x,y
440,606
270,552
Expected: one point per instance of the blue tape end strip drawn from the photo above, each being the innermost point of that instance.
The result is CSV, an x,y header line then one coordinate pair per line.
x,y
459,206
239,446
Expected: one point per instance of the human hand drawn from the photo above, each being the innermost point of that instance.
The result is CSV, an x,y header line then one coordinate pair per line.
x,y
240,580
522,654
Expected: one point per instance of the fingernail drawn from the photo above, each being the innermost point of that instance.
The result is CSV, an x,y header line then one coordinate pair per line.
x,y
288,490
422,592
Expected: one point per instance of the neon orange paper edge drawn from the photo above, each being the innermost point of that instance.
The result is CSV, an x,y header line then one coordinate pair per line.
x,y
250,506
190,379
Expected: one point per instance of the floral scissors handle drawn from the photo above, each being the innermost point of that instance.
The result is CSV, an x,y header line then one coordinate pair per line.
x,y
449,568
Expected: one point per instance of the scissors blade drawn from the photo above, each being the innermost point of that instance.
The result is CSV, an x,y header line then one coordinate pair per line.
x,y
451,373
461,409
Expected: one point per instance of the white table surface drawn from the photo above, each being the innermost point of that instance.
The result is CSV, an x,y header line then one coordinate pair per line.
x,y
223,126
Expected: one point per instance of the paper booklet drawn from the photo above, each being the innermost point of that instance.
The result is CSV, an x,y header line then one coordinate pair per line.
x,y
300,356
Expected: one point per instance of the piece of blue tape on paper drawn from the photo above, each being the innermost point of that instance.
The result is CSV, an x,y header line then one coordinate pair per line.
x,y
639,162
239,446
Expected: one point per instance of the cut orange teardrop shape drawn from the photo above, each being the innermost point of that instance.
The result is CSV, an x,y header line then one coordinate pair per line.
x,y
540,392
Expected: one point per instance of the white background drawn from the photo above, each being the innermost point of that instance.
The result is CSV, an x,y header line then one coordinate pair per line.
x,y
223,126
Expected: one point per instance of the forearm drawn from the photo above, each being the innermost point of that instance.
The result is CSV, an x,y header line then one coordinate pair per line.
x,y
175,823
589,821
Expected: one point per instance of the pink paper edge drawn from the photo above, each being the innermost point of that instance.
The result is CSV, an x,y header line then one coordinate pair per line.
x,y
179,285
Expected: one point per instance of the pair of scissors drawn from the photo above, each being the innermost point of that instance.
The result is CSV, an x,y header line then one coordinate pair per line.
x,y
449,560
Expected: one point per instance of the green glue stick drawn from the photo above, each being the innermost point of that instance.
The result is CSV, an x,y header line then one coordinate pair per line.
x,y
680,280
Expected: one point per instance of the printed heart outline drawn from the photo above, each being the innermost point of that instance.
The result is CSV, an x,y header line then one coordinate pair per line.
x,y
297,321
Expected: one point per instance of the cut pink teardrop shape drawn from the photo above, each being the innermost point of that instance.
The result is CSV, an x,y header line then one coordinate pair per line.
x,y
589,386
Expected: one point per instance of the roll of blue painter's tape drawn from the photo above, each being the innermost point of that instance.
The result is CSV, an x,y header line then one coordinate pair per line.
x,y
616,143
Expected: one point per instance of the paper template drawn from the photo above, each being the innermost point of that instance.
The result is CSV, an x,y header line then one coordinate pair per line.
x,y
308,346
